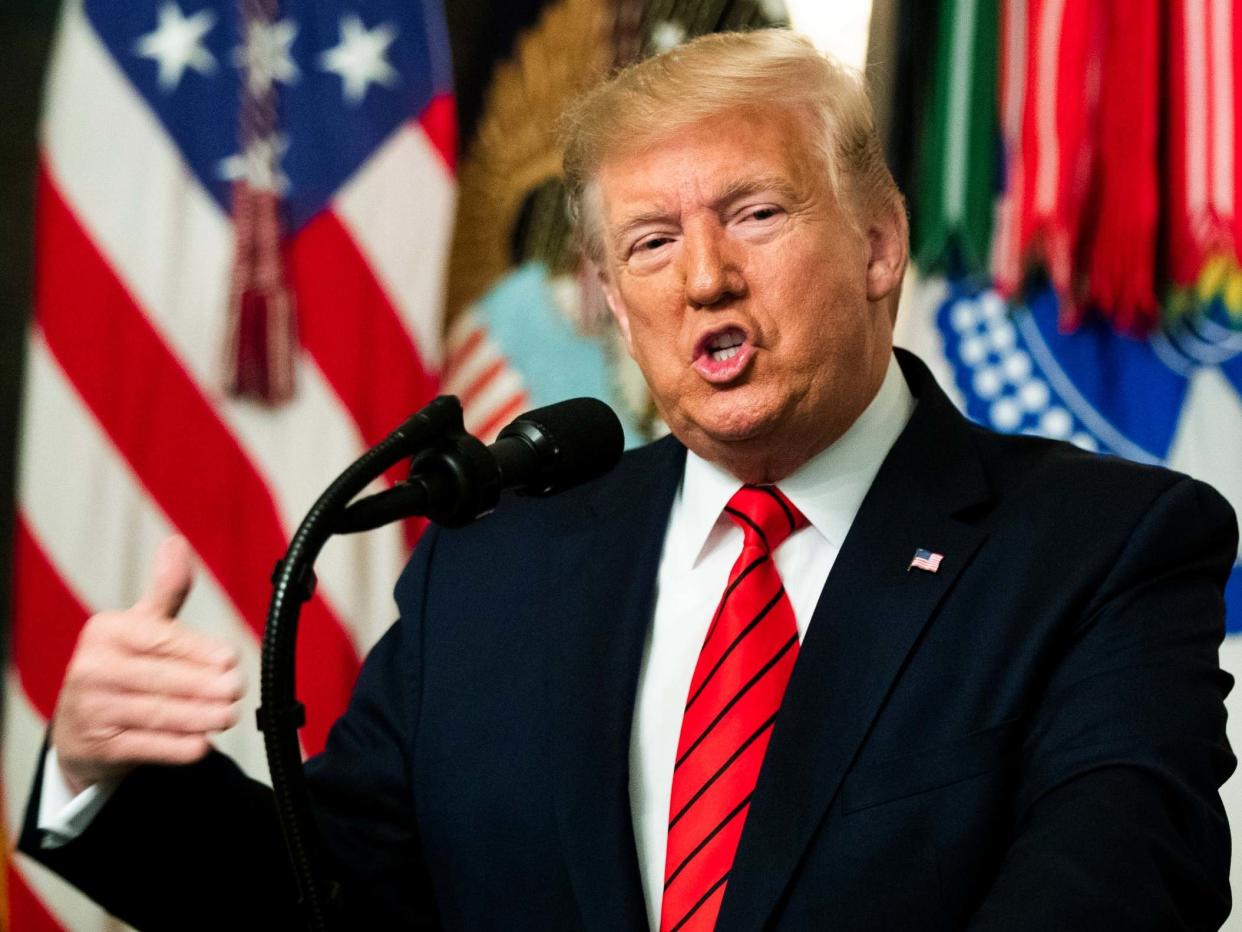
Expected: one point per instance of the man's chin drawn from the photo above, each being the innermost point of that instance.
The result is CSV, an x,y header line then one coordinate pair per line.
x,y
739,416
712,439
754,441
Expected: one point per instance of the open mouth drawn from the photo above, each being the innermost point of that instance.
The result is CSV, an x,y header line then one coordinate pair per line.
x,y
725,345
723,355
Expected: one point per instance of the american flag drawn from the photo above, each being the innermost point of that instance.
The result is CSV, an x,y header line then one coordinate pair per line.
x,y
925,560
127,434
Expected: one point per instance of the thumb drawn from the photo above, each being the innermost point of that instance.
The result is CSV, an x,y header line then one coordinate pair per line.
x,y
172,574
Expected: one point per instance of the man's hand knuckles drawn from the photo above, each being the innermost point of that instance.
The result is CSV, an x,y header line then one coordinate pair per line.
x,y
177,641
187,718
161,673
232,686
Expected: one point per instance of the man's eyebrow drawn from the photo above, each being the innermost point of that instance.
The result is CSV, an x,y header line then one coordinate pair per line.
x,y
744,187
638,219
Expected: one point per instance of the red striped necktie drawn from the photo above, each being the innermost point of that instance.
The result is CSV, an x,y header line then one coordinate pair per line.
x,y
743,668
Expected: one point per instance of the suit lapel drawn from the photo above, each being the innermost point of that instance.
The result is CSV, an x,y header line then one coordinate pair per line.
x,y
600,604
868,619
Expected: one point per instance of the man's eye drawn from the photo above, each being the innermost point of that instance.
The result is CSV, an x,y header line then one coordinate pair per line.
x,y
762,213
651,244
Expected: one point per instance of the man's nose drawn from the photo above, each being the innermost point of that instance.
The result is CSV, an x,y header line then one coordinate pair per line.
x,y
712,274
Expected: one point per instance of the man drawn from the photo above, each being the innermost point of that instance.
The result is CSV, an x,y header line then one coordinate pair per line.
x,y
828,657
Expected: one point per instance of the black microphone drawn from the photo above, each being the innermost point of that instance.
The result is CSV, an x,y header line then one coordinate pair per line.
x,y
541,452
552,449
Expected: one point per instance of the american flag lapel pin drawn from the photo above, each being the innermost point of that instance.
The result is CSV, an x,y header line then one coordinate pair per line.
x,y
925,560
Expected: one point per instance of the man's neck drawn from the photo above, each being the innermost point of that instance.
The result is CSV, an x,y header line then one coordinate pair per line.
x,y
830,486
767,462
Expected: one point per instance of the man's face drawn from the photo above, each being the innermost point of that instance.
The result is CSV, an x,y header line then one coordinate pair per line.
x,y
753,305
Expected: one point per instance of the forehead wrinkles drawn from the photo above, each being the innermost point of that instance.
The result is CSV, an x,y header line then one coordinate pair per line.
x,y
654,180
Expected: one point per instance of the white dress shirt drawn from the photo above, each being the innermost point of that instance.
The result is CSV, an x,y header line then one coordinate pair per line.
x,y
699,551
62,815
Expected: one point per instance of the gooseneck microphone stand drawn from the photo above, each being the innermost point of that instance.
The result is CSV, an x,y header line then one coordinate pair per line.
x,y
436,430
454,478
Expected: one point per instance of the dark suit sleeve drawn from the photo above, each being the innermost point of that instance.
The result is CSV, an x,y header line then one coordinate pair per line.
x,y
192,847
1118,820
199,847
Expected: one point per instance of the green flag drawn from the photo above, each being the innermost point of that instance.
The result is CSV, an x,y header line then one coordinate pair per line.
x,y
958,154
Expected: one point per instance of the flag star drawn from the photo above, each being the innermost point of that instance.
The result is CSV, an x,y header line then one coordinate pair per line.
x,y
667,35
359,59
177,44
259,164
265,56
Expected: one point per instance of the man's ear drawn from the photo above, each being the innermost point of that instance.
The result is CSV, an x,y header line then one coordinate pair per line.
x,y
888,239
619,312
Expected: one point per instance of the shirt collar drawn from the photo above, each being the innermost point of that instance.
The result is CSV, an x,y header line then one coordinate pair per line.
x,y
828,489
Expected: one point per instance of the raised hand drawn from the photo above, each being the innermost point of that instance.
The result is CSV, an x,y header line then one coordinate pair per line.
x,y
142,687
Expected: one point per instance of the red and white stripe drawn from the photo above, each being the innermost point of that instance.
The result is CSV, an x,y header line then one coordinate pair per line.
x,y
126,436
1049,91
478,372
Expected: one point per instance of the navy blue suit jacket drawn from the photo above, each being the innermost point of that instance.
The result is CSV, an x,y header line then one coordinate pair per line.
x,y
1030,738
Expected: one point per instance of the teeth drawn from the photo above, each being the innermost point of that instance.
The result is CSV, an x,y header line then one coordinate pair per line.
x,y
721,355
726,340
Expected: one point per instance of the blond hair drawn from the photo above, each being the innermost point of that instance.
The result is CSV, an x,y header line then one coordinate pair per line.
x,y
715,74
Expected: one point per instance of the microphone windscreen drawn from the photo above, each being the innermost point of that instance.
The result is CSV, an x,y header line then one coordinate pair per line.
x,y
574,441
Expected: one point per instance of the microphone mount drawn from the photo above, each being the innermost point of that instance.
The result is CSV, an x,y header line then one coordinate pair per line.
x,y
457,479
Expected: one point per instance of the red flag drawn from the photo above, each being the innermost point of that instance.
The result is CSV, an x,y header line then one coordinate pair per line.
x,y
1049,47
1120,250
1203,136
